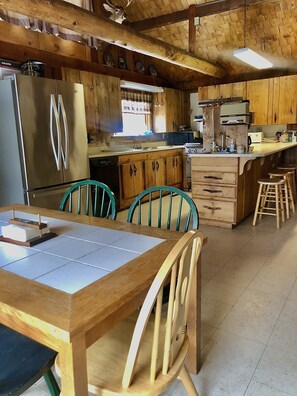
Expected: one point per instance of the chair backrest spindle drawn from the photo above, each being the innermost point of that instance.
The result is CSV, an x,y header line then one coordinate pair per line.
x,y
165,209
179,266
92,198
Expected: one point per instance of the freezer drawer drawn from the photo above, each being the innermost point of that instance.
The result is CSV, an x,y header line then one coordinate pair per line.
x,y
49,198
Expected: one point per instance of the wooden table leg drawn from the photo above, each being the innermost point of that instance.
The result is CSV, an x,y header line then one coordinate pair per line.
x,y
73,366
194,323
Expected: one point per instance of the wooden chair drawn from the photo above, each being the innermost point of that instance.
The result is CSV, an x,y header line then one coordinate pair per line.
x,y
146,352
287,176
164,204
270,192
22,362
91,198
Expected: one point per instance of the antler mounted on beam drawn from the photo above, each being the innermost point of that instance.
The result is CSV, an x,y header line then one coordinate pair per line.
x,y
79,20
117,12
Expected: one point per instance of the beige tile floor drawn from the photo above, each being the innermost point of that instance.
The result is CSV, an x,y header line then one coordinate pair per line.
x,y
249,312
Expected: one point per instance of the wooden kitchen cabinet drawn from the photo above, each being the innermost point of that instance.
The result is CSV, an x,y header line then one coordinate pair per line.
x,y
231,90
214,189
155,172
131,178
272,100
225,189
174,170
143,170
102,100
258,93
170,109
287,112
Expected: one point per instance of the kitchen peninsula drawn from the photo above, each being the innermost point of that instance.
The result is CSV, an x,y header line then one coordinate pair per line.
x,y
224,186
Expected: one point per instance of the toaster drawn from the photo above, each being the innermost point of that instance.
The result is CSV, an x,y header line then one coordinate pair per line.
x,y
256,137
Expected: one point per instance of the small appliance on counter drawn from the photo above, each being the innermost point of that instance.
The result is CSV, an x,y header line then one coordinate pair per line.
x,y
238,113
179,138
256,137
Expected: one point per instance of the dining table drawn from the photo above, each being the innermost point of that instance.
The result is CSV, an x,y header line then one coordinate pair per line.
x,y
68,316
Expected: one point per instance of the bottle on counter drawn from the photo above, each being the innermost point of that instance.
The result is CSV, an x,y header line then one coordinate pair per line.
x,y
213,147
232,146
241,149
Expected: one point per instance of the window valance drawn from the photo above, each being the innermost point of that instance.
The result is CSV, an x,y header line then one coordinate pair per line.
x,y
136,102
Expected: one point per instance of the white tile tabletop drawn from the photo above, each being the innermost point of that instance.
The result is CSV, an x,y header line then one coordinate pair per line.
x,y
72,277
109,258
78,256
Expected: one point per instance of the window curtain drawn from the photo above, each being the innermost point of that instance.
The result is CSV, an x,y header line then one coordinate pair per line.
x,y
136,102
43,27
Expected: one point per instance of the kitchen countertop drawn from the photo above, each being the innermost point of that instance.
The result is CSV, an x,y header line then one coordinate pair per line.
x,y
260,150
107,153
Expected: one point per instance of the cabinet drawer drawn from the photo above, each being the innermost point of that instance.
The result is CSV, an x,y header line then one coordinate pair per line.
x,y
216,210
214,191
206,164
213,177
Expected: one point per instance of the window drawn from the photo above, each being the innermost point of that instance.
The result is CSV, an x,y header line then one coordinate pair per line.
x,y
137,113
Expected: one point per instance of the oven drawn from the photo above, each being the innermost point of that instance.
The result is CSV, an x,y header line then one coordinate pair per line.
x,y
191,148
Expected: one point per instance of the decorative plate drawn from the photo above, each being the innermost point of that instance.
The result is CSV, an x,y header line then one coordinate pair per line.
x,y
153,70
122,63
140,67
108,59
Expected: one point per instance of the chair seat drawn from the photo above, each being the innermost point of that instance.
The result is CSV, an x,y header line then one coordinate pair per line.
x,y
22,361
111,351
272,180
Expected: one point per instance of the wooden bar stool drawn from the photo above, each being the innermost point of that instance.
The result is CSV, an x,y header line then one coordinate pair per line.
x,y
287,176
293,168
270,191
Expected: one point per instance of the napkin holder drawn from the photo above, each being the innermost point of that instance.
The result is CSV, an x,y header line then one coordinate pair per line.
x,y
26,232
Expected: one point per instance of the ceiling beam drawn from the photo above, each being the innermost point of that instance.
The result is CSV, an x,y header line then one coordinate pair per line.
x,y
82,21
201,10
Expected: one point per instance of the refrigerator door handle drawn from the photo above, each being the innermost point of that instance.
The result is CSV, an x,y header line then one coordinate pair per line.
x,y
65,150
54,116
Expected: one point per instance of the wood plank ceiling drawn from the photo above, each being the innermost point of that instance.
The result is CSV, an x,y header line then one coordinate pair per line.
x,y
271,29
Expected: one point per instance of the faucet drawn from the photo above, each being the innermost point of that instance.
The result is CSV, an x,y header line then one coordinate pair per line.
x,y
222,140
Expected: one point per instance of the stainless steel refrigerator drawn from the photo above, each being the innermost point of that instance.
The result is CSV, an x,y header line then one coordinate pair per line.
x,y
43,140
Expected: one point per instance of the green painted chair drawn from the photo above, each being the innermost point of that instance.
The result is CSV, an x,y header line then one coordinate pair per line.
x,y
91,198
157,207
22,362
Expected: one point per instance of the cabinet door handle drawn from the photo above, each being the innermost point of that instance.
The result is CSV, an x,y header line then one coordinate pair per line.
x,y
213,177
173,162
212,191
157,165
176,161
131,170
135,169
211,208
153,165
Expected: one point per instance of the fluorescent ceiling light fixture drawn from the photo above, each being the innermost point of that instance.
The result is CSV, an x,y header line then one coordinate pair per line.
x,y
140,87
252,58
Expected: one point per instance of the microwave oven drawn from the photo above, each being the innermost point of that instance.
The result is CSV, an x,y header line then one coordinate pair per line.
x,y
256,137
236,113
